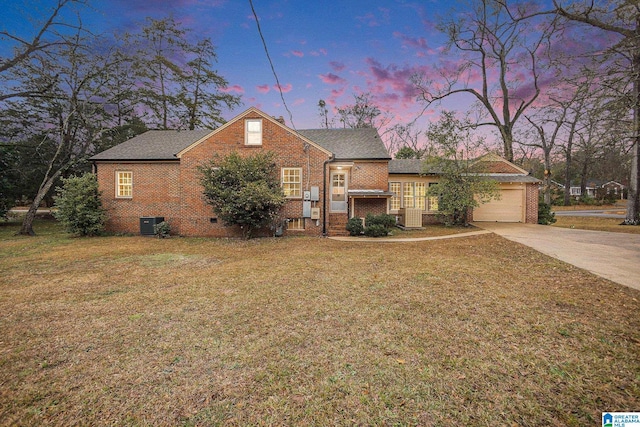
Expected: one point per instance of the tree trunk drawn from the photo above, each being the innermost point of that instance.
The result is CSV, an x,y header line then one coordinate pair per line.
x,y
546,182
27,223
633,202
567,178
507,138
583,176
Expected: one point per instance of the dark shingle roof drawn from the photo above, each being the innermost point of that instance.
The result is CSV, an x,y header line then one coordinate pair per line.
x,y
345,144
153,145
412,166
349,144
418,166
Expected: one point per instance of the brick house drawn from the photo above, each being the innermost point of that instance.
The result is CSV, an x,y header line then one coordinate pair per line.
x,y
328,175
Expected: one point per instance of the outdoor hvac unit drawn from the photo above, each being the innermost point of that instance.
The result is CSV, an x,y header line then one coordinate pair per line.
x,y
147,223
410,217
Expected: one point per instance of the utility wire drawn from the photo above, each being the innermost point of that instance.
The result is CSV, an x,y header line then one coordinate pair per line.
x,y
264,43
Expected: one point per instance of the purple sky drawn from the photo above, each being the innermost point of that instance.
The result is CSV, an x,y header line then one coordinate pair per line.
x,y
327,50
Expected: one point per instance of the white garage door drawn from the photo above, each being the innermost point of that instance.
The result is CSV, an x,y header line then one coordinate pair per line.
x,y
508,209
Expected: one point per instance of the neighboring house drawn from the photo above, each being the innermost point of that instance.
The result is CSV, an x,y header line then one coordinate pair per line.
x,y
595,188
328,176
614,187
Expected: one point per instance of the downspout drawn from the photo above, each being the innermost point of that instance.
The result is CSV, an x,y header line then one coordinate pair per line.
x,y
324,194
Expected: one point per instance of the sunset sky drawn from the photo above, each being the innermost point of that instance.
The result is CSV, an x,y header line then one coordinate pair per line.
x,y
327,50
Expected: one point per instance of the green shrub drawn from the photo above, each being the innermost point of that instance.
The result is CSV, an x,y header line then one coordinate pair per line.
x,y
385,220
376,230
79,208
545,216
162,229
588,200
244,190
354,226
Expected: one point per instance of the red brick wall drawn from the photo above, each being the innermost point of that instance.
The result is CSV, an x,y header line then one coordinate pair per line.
x,y
289,150
369,206
155,193
370,176
532,204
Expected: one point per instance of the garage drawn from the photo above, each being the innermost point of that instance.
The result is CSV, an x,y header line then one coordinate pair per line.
x,y
510,207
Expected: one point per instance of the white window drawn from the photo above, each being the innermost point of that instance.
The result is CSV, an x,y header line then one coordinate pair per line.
x,y
394,202
292,182
421,195
253,132
295,224
408,199
124,184
433,200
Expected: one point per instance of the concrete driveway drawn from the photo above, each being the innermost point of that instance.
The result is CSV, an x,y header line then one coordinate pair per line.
x,y
614,256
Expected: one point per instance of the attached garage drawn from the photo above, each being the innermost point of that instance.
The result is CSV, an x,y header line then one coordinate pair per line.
x,y
510,207
408,178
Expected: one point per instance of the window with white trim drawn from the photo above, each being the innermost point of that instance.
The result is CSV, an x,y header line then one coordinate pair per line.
x,y
433,200
124,184
408,195
421,195
295,224
394,202
253,132
292,182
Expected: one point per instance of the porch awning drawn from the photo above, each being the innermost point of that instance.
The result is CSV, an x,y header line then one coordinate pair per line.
x,y
363,194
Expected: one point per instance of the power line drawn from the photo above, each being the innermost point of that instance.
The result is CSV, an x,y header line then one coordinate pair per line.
x,y
264,43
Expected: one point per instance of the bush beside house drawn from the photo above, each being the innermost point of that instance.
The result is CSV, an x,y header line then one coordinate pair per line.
x,y
79,206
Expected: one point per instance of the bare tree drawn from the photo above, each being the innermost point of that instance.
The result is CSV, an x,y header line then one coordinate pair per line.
x,y
500,46
71,116
621,18
324,114
363,113
406,141
44,41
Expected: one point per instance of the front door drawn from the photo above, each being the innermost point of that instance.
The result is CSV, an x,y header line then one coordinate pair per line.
x,y
338,191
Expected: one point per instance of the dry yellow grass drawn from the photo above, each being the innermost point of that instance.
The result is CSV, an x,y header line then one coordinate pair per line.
x,y
620,204
595,223
301,331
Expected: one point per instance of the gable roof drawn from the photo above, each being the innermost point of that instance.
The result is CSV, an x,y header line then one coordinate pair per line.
x,y
349,144
253,110
153,145
494,164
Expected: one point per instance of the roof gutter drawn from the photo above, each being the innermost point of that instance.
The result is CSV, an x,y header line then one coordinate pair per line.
x,y
324,193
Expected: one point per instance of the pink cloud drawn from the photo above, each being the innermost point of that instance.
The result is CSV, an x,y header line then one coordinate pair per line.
x,y
393,84
369,19
297,53
332,79
418,43
337,66
263,88
286,88
231,89
335,94
299,101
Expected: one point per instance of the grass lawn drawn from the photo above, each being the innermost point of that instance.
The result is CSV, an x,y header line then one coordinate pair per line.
x,y
595,223
304,331
620,205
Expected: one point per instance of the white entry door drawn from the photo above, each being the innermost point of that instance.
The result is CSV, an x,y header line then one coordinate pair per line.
x,y
338,191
